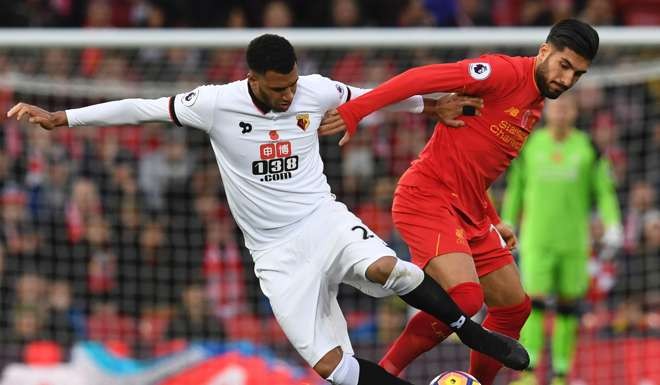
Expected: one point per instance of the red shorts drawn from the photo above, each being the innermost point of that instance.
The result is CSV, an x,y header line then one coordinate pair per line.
x,y
431,227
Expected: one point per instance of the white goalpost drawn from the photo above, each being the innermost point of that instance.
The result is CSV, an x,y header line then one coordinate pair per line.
x,y
317,37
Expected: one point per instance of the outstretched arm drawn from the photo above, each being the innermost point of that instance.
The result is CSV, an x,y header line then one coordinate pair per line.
x,y
446,109
413,104
192,109
450,77
46,119
126,111
459,77
485,76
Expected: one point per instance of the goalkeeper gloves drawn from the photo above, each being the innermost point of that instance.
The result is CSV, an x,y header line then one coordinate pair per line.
x,y
611,241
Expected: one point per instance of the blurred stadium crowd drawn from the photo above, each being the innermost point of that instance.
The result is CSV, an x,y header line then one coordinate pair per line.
x,y
122,234
327,13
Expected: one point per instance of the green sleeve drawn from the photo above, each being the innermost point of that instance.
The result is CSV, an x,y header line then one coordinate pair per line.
x,y
513,197
605,193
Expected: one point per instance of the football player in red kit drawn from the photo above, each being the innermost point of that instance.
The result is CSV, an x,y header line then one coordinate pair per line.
x,y
441,206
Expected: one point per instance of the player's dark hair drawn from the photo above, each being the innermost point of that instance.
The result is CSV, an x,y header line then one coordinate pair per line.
x,y
575,35
270,52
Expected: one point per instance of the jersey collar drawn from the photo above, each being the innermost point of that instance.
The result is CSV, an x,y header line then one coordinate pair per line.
x,y
263,107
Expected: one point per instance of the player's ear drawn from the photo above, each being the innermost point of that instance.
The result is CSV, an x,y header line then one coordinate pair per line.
x,y
255,76
544,51
253,80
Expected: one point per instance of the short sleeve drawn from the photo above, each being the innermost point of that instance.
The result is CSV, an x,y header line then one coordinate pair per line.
x,y
195,108
344,93
331,92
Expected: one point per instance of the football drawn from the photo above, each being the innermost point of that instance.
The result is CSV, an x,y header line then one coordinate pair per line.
x,y
455,377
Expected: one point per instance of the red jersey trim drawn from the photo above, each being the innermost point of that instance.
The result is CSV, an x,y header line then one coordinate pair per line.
x,y
534,76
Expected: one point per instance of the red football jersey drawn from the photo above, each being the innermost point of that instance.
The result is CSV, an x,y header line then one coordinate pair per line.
x,y
459,164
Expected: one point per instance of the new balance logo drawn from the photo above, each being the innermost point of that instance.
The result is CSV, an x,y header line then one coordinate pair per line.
x,y
513,111
458,323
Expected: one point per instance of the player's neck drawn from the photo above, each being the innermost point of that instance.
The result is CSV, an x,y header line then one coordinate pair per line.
x,y
559,134
262,106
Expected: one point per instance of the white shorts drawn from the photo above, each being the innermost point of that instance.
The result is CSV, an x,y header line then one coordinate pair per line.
x,y
301,278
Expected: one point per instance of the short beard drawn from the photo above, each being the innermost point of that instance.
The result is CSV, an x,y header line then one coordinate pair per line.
x,y
278,109
542,82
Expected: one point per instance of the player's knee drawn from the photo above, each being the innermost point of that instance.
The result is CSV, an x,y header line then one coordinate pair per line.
x,y
521,311
344,372
469,297
381,270
538,304
510,318
526,309
516,315
329,362
404,277
568,309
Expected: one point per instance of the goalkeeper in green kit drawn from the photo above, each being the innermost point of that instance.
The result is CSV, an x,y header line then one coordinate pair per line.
x,y
552,188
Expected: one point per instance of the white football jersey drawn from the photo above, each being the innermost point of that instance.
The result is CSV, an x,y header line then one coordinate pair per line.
x,y
269,161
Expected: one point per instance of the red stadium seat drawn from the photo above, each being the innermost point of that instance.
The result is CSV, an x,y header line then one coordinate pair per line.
x,y
153,326
244,327
42,353
118,348
163,348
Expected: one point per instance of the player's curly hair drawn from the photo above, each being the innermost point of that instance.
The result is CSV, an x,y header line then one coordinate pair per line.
x,y
270,52
576,35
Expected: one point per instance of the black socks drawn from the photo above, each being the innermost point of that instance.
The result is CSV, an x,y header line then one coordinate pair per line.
x,y
372,374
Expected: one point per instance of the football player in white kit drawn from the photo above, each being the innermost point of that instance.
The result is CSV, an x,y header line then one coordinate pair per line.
x,y
263,131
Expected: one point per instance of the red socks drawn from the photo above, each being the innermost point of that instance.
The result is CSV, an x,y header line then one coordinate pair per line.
x,y
505,320
424,331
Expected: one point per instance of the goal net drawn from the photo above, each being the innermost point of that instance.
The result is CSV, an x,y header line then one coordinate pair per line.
x,y
122,235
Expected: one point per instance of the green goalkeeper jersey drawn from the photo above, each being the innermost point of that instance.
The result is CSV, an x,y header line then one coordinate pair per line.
x,y
552,188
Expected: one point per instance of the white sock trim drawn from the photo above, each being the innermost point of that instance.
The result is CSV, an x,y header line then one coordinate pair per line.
x,y
347,371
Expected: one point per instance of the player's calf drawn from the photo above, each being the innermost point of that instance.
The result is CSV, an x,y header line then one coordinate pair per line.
x,y
507,320
433,299
421,291
424,331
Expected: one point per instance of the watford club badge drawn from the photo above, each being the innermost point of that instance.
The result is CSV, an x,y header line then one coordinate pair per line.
x,y
303,121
